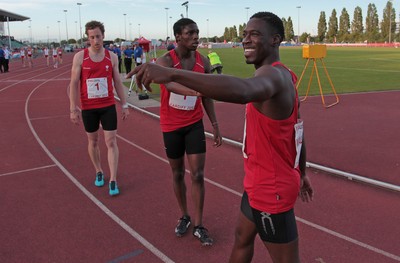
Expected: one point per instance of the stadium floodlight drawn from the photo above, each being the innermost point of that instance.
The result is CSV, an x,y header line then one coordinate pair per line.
x,y
80,22
186,4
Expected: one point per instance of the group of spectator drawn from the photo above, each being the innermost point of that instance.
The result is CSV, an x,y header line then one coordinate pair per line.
x,y
134,52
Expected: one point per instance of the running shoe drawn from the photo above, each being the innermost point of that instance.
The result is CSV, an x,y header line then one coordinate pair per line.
x,y
113,188
182,226
99,182
202,234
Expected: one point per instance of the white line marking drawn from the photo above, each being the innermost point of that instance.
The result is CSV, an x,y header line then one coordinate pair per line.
x,y
107,211
28,170
321,228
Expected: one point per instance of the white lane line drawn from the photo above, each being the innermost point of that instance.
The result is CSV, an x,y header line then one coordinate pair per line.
x,y
321,228
349,239
107,211
28,170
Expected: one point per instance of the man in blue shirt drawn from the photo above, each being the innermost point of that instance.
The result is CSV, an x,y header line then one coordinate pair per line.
x,y
128,53
2,59
117,51
138,53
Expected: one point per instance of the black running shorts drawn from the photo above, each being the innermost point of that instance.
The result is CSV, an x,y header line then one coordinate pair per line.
x,y
106,116
190,139
274,228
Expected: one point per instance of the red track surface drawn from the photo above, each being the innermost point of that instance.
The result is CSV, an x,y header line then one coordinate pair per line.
x,y
52,212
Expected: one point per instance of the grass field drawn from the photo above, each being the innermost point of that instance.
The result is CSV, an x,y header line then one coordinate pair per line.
x,y
351,69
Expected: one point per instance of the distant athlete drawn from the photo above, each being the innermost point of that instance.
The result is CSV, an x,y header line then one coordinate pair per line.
x,y
55,57
46,55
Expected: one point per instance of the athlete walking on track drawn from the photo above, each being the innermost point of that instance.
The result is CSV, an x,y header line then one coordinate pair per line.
x,y
94,76
181,122
273,149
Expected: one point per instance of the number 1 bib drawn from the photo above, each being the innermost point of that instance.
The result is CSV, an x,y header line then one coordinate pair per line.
x,y
97,88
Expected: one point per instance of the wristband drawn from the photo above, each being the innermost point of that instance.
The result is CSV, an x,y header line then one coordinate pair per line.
x,y
125,106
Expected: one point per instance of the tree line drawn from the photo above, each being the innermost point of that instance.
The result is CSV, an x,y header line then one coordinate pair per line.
x,y
337,30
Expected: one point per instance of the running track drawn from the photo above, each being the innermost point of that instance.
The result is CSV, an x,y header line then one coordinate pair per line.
x,y
52,212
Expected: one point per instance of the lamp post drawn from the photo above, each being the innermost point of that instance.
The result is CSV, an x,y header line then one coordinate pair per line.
x,y
166,10
30,31
47,36
298,23
186,4
139,29
130,30
247,13
125,25
172,30
66,24
80,24
59,31
207,31
76,30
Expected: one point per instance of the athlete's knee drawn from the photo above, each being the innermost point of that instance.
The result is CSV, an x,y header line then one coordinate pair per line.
x,y
198,176
178,174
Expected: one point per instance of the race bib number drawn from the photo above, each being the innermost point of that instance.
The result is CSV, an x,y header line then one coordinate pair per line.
x,y
182,102
298,128
97,88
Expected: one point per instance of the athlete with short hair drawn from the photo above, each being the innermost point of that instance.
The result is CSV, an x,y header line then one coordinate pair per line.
x,y
94,76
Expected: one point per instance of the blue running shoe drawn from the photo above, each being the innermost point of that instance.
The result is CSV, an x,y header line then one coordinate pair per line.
x,y
113,188
99,179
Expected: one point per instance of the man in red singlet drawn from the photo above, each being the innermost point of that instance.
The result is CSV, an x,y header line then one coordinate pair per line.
x,y
273,147
181,122
94,70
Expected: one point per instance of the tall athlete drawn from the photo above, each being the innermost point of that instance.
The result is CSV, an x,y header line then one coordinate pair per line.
x,y
94,76
181,122
274,150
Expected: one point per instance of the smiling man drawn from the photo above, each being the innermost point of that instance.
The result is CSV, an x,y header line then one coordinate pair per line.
x,y
273,147
94,75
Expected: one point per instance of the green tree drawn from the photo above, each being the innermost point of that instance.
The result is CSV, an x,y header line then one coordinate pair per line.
x,y
241,30
372,24
388,23
357,28
227,36
332,27
344,26
321,27
233,34
289,32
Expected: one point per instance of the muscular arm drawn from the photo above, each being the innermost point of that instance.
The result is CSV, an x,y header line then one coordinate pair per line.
x,y
263,86
175,87
119,87
75,79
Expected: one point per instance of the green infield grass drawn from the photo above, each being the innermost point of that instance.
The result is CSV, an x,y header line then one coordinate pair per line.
x,y
352,69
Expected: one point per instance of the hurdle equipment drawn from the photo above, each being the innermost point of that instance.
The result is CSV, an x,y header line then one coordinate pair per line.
x,y
314,53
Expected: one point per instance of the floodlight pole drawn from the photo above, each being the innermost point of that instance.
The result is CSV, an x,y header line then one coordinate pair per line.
x,y
80,23
298,24
247,13
125,25
166,10
66,24
186,4
59,31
